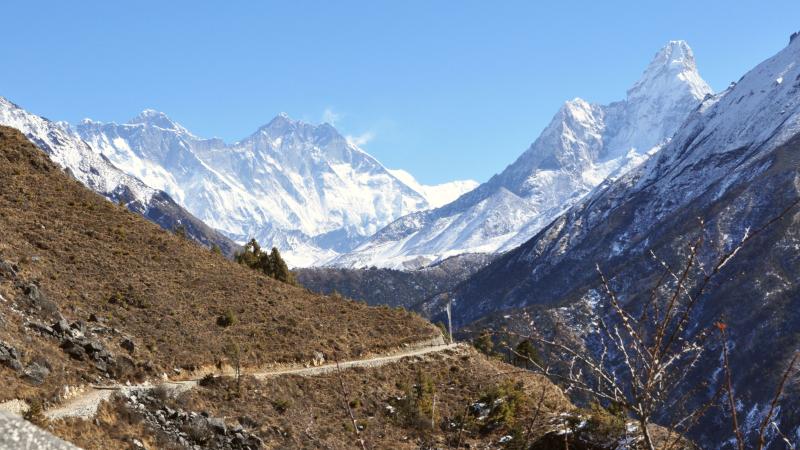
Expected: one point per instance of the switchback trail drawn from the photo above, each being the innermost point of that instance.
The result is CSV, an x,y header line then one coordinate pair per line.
x,y
85,405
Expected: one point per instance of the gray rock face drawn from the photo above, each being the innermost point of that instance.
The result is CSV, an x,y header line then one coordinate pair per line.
x,y
17,433
79,343
39,302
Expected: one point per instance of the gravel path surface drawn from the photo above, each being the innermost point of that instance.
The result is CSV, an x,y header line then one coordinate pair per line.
x,y
85,405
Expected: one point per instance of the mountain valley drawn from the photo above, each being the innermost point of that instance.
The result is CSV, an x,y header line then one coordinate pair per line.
x,y
629,281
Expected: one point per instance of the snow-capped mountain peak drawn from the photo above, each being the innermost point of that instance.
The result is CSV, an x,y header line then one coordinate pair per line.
x,y
673,65
658,102
158,119
283,128
675,57
733,163
299,186
583,145
85,163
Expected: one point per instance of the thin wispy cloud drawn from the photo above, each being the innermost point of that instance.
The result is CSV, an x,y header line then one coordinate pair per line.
x,y
360,139
330,116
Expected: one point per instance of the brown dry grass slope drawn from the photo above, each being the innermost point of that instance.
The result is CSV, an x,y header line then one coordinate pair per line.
x,y
89,256
425,402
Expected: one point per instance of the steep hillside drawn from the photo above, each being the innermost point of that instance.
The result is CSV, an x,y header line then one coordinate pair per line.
x,y
90,292
583,145
392,287
301,187
95,171
735,165
457,399
93,294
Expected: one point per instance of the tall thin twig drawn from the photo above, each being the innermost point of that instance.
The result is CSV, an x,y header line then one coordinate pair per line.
x,y
762,431
346,403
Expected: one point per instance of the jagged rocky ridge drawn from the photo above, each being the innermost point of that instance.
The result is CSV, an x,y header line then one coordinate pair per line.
x,y
304,188
583,145
94,170
734,163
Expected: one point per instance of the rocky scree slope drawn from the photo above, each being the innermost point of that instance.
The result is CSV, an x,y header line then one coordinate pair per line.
x,y
304,188
734,163
95,171
583,145
91,292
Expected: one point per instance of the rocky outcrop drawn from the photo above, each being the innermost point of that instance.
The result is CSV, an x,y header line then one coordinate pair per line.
x,y
81,343
190,429
9,357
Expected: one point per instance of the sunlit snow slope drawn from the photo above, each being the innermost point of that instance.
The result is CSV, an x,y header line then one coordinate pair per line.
x,y
583,145
297,186
68,150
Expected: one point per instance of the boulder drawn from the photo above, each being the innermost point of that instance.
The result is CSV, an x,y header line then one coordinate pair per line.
x,y
35,373
7,271
42,329
217,425
93,347
73,349
9,357
40,302
128,345
79,326
61,327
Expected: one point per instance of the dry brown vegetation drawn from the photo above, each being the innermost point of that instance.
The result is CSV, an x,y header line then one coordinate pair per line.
x,y
416,403
89,256
114,427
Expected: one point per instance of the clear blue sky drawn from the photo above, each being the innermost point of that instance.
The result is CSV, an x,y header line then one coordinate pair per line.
x,y
445,89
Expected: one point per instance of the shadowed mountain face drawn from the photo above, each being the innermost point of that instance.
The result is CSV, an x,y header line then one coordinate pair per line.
x,y
392,287
583,145
734,163
66,149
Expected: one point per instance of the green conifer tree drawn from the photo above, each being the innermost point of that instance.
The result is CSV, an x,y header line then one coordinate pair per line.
x,y
271,264
525,353
250,255
484,343
281,270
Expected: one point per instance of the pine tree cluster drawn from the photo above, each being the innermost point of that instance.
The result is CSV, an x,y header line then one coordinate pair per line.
x,y
271,264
